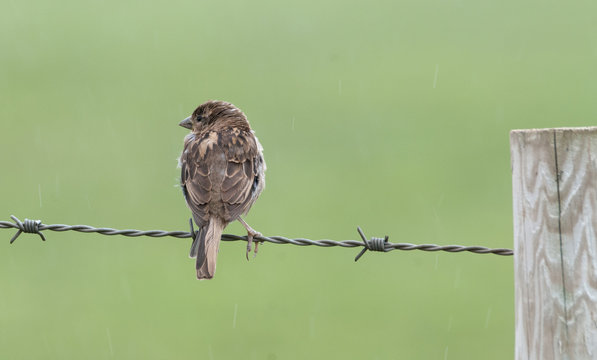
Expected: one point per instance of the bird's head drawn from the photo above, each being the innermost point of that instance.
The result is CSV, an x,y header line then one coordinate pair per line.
x,y
215,115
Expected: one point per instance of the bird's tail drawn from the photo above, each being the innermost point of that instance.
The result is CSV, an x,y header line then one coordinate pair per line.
x,y
205,248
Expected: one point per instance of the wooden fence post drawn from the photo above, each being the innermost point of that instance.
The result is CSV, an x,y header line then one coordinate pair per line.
x,y
554,186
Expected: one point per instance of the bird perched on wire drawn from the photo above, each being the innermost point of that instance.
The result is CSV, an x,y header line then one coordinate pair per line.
x,y
223,174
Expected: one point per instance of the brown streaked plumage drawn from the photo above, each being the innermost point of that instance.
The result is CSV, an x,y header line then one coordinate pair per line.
x,y
223,173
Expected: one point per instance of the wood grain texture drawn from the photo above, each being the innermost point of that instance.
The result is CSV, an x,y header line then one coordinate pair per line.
x,y
554,186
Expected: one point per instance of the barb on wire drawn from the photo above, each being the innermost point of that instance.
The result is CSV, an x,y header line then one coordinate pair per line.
x,y
375,244
29,226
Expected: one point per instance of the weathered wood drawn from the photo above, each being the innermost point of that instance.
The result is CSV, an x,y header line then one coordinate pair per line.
x,y
554,185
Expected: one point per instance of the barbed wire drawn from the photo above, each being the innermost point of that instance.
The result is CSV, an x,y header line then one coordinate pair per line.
x,y
374,244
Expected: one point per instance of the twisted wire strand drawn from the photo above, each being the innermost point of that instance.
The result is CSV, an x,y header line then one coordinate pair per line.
x,y
375,244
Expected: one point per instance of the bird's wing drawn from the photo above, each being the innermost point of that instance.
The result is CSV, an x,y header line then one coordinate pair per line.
x,y
195,177
244,178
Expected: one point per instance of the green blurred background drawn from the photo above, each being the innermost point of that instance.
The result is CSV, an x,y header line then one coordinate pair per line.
x,y
391,115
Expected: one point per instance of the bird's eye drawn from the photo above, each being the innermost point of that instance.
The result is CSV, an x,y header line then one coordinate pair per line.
x,y
199,118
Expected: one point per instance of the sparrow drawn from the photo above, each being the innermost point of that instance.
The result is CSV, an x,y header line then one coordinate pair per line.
x,y
222,175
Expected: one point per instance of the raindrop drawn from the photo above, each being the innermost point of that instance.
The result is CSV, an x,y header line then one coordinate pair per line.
x,y
210,352
110,341
487,317
234,317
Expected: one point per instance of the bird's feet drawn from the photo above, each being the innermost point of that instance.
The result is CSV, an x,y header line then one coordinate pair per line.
x,y
250,236
251,233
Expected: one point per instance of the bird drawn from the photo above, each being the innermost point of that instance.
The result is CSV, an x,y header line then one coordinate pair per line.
x,y
222,175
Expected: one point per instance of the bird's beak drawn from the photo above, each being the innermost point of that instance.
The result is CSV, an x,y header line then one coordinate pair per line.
x,y
186,123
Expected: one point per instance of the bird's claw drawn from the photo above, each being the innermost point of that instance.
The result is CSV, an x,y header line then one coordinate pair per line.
x,y
250,236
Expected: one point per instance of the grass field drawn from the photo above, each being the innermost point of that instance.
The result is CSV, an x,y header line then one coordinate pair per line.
x,y
392,115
